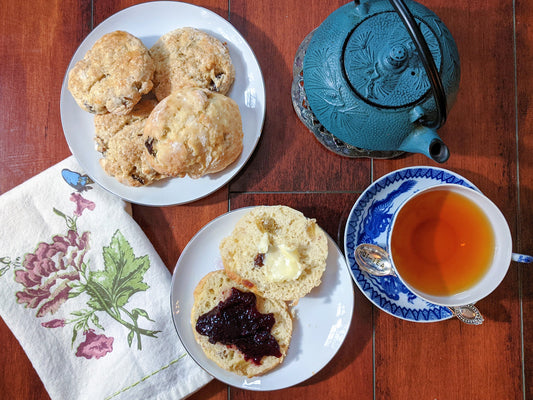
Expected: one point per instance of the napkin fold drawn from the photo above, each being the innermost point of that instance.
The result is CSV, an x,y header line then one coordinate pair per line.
x,y
86,294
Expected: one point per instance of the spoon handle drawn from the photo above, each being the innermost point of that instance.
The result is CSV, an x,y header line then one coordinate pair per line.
x,y
469,314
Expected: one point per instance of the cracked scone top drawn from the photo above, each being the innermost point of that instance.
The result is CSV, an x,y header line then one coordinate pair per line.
x,y
189,57
113,75
193,132
276,252
120,140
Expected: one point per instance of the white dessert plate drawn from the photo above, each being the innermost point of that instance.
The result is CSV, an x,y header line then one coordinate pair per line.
x,y
322,318
149,21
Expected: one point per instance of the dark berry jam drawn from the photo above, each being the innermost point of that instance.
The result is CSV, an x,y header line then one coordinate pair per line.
x,y
237,322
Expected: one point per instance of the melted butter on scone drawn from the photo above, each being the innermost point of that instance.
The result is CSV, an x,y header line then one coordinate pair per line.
x,y
280,263
264,242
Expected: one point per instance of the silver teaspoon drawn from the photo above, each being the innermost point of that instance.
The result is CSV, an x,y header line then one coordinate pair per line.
x,y
375,260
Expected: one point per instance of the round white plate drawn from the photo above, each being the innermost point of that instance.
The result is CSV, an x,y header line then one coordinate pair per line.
x,y
369,222
149,21
322,318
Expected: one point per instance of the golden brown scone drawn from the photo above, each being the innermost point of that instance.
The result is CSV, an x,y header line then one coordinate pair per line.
x,y
193,132
189,57
113,75
276,252
120,140
216,287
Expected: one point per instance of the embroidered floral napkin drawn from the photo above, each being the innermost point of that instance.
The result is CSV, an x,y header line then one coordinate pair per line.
x,y
86,295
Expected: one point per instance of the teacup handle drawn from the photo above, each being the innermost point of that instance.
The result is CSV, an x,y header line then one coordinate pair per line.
x,y
521,258
469,314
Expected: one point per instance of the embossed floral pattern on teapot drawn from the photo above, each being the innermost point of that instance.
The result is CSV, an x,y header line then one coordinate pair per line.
x,y
367,84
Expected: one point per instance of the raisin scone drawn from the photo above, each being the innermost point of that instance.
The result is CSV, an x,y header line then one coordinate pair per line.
x,y
276,252
113,75
241,332
193,132
120,140
189,57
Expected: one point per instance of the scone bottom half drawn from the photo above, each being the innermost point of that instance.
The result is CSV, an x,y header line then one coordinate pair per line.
x,y
241,332
276,252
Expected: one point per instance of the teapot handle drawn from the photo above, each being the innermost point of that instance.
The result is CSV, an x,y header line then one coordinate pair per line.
x,y
427,60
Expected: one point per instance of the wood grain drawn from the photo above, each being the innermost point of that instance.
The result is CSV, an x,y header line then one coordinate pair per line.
x,y
481,134
37,40
488,132
289,157
524,211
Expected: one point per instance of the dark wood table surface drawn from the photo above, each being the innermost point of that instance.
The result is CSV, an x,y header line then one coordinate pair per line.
x,y
488,132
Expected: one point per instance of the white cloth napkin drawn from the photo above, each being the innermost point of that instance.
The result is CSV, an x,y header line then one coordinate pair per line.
x,y
86,295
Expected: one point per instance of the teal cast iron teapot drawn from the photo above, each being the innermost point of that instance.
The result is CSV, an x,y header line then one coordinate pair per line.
x,y
381,75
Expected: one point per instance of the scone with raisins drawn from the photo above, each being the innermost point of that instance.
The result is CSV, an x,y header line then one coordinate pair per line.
x,y
189,57
113,75
120,140
276,252
241,332
193,132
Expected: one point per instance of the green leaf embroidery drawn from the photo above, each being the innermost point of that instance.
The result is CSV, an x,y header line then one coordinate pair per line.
x,y
123,274
68,276
74,336
130,337
140,312
122,277
96,321
108,290
70,221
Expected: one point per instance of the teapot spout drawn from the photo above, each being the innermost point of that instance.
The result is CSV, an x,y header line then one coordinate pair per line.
x,y
425,140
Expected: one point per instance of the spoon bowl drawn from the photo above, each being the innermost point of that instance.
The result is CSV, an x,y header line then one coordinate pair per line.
x,y
374,260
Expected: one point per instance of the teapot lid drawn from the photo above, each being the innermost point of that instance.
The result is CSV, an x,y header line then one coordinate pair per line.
x,y
382,64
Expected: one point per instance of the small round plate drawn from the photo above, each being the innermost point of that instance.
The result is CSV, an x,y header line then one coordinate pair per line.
x,y
149,21
321,322
369,222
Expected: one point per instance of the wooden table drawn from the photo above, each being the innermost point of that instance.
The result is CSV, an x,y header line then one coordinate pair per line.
x,y
488,132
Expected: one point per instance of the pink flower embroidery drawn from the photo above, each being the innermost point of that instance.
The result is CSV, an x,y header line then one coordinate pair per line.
x,y
47,272
94,345
81,203
56,271
55,323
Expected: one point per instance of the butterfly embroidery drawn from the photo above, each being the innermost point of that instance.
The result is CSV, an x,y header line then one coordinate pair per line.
x,y
76,180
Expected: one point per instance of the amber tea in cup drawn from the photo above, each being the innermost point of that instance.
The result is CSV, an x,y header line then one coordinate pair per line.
x,y
450,245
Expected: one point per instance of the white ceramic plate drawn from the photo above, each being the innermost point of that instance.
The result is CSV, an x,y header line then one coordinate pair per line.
x,y
148,21
322,317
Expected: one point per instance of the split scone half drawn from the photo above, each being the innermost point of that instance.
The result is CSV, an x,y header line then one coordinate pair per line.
x,y
241,332
276,252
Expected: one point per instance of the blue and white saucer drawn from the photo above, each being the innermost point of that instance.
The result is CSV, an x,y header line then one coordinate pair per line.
x,y
369,222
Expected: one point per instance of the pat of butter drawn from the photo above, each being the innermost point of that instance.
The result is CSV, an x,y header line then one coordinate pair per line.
x,y
263,244
282,264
